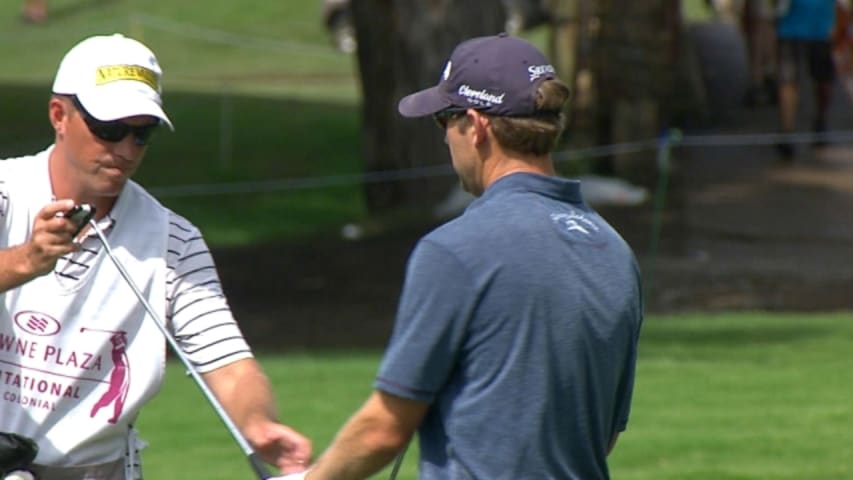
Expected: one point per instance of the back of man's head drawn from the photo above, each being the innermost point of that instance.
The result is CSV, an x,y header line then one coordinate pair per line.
x,y
506,78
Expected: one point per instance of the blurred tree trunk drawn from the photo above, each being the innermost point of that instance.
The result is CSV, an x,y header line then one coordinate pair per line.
x,y
564,37
636,63
403,46
573,26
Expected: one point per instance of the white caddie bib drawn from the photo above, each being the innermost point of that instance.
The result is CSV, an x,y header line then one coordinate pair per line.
x,y
79,359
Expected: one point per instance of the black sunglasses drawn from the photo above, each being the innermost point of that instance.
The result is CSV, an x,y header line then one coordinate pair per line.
x,y
442,117
116,130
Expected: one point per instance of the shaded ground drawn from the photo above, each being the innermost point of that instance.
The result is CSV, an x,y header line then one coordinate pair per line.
x,y
741,231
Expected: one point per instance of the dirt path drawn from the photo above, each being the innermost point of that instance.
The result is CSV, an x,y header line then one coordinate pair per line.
x,y
760,235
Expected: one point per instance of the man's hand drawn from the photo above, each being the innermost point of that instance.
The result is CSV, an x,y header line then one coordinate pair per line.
x,y
370,439
282,446
246,395
51,238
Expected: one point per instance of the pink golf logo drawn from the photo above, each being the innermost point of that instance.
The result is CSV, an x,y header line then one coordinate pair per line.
x,y
37,323
119,382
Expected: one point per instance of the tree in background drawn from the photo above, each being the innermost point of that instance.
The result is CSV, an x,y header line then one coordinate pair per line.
x,y
621,57
636,60
402,47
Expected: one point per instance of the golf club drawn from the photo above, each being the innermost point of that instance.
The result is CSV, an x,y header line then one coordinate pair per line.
x,y
256,463
398,462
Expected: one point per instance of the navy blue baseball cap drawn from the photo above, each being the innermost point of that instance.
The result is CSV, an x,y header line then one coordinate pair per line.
x,y
497,75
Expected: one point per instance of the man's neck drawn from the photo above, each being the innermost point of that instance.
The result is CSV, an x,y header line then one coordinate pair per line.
x,y
504,164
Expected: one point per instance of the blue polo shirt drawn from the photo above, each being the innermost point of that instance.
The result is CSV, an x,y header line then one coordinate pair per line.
x,y
519,323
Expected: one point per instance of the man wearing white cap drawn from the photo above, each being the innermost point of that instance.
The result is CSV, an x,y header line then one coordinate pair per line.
x,y
63,305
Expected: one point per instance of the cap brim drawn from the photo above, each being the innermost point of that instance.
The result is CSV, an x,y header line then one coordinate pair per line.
x,y
423,103
107,108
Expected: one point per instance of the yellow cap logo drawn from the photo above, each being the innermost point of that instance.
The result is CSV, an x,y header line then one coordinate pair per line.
x,y
114,73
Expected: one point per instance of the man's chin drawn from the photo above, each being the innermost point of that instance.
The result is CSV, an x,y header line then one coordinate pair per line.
x,y
112,188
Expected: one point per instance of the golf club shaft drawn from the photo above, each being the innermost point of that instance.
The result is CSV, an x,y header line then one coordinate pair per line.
x,y
254,461
398,462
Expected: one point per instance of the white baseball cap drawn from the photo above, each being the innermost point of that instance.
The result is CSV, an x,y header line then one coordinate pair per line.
x,y
114,77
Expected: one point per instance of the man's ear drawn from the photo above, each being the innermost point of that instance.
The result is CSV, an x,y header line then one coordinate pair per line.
x,y
57,112
481,124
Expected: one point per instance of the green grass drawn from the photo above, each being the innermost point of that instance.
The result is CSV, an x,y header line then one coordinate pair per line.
x,y
316,392
696,10
249,46
733,396
746,396
254,88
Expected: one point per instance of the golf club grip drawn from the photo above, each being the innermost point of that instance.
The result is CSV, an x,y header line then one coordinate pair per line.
x,y
258,466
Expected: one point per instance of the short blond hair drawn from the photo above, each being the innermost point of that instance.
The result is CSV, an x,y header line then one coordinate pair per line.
x,y
537,134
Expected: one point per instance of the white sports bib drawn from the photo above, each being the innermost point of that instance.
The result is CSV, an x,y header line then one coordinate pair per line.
x,y
79,359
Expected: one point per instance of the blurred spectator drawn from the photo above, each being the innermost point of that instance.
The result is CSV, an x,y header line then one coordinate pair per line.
x,y
35,11
758,23
803,30
727,10
337,16
842,46
756,20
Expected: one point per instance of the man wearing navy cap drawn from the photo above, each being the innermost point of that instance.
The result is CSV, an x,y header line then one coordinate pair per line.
x,y
515,342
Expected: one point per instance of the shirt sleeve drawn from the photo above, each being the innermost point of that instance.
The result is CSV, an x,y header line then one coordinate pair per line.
x,y
626,384
198,311
431,324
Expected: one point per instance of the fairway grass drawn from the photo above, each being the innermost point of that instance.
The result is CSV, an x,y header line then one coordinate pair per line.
x,y
728,396
741,396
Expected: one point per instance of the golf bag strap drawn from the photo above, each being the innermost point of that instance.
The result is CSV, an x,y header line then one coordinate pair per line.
x,y
132,457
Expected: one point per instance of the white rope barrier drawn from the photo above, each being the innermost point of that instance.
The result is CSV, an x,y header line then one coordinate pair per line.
x,y
757,139
605,150
198,190
675,141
